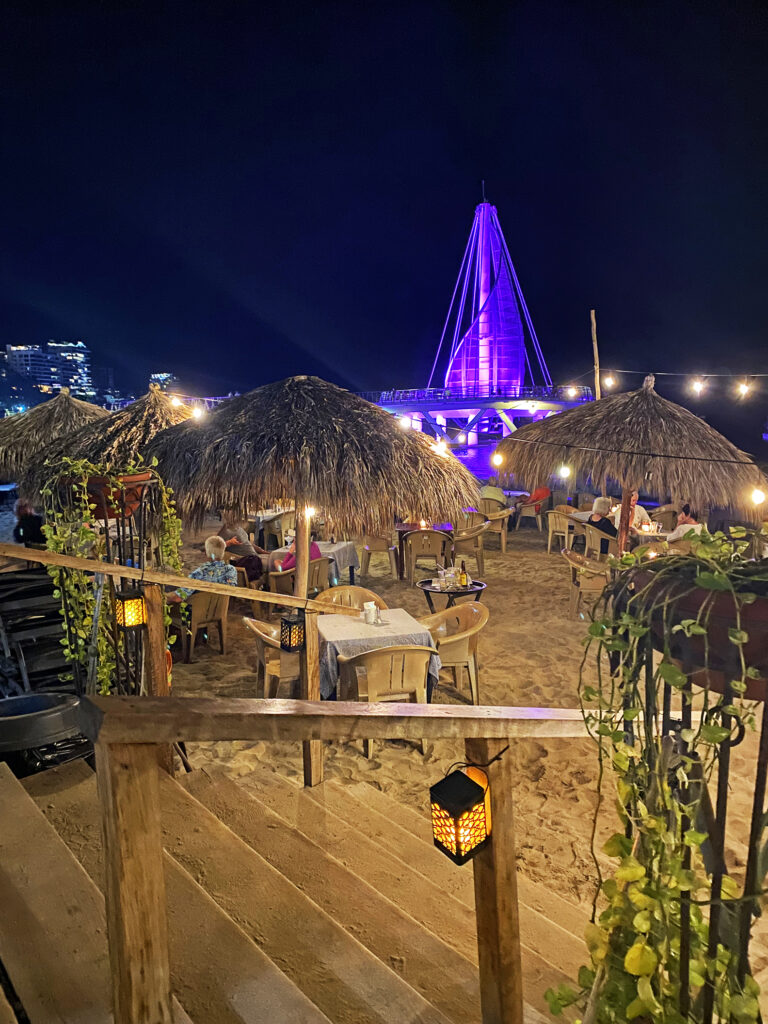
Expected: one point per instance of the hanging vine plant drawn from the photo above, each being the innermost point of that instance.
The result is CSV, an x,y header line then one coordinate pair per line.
x,y
126,517
675,658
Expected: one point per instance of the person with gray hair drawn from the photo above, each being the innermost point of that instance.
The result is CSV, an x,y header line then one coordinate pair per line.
x,y
215,570
598,518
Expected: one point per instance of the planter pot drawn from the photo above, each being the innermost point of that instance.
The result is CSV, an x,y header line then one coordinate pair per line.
x,y
37,720
108,499
714,656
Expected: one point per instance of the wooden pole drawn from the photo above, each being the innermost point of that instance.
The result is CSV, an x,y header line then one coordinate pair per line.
x,y
593,321
309,659
496,907
626,501
155,661
137,927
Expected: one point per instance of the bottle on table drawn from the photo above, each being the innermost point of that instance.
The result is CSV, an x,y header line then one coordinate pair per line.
x,y
463,575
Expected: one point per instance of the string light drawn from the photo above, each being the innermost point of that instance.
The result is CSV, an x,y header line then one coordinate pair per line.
x,y
404,423
440,448
197,412
571,392
497,459
609,382
743,389
758,496
698,386
310,512
176,401
461,438
564,472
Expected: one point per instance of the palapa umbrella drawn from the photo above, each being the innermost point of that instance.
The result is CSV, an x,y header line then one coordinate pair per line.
x,y
308,440
27,438
641,440
114,442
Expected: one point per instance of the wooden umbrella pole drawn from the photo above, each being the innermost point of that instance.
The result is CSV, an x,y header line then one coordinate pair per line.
x,y
309,659
626,500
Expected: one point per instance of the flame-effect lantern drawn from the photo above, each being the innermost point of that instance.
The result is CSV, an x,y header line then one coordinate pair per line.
x,y
130,609
292,633
461,813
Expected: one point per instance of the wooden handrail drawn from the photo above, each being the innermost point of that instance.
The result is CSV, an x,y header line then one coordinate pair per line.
x,y
210,719
167,579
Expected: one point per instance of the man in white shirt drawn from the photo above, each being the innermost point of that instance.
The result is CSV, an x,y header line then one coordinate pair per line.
x,y
637,514
495,492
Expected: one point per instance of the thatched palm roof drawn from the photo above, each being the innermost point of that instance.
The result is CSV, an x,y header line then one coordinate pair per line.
x,y
114,442
305,439
641,440
27,438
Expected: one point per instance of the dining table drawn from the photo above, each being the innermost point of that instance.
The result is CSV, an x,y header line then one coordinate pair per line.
x,y
402,529
348,636
342,554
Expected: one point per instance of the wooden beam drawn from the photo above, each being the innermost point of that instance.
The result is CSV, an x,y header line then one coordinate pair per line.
x,y
210,719
155,661
310,691
134,884
165,579
496,907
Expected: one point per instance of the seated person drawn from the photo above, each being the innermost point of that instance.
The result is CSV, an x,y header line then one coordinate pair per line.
x,y
637,514
234,535
687,520
493,491
598,518
537,497
29,525
289,561
215,570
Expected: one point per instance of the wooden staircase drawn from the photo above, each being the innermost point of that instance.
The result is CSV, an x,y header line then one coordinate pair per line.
x,y
284,904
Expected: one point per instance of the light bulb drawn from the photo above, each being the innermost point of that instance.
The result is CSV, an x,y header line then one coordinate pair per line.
x,y
564,472
404,422
698,386
758,496
440,448
309,512
608,382
461,438
496,459
571,392
176,400
743,389
197,412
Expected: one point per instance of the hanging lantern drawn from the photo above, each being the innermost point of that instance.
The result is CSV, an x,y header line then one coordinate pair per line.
x,y
292,631
130,609
461,813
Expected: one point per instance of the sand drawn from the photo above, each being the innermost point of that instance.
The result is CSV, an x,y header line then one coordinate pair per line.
x,y
530,654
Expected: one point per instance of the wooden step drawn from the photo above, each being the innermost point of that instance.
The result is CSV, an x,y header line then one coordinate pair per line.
x,y
334,970
445,978
216,970
417,877
52,924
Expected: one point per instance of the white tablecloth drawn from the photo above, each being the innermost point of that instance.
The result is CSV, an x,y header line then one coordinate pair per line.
x,y
342,634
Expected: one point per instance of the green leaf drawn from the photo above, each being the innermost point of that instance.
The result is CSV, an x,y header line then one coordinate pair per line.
x,y
617,846
630,870
738,636
641,922
646,993
693,838
713,581
714,733
672,674
640,959
586,977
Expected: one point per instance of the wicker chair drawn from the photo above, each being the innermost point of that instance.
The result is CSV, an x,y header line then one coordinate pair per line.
x,y
456,632
203,611
386,674
470,542
491,505
588,578
431,544
274,665
372,545
351,597
559,525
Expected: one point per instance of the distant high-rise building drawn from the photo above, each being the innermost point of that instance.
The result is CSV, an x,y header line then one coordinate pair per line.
x,y
56,365
104,378
165,381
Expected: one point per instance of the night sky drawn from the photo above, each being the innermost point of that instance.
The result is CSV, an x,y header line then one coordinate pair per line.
x,y
238,192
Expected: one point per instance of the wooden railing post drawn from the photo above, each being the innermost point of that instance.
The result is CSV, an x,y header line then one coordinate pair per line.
x,y
496,907
155,659
135,885
309,663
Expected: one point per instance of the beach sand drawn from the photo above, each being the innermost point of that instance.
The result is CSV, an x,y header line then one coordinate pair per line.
x,y
530,655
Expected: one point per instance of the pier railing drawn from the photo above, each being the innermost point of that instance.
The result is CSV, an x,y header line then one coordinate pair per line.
x,y
477,392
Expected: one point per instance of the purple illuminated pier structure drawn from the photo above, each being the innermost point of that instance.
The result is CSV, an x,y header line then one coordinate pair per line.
x,y
495,377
